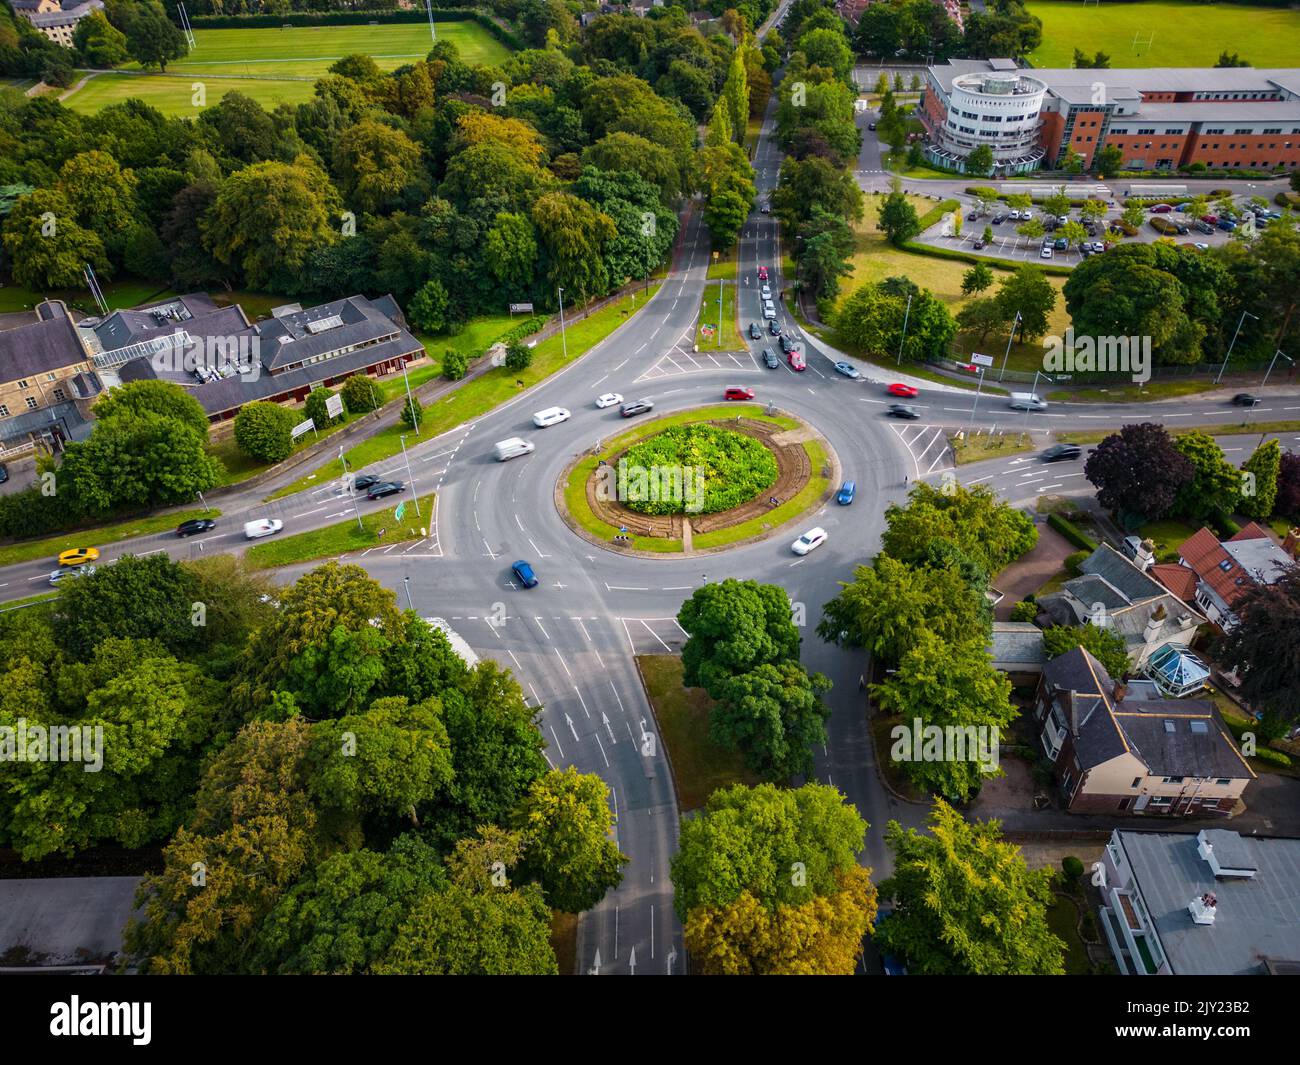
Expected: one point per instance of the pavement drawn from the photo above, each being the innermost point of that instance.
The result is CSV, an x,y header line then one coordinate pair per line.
x,y
64,920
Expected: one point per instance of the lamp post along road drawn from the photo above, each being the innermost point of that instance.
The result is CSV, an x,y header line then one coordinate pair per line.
x,y
351,490
1244,316
1010,338
410,478
903,339
564,341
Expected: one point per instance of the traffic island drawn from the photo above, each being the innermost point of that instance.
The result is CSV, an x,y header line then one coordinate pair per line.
x,y
697,481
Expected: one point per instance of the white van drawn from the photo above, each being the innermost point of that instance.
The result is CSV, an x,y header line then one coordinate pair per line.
x,y
255,530
550,416
512,448
1027,401
769,309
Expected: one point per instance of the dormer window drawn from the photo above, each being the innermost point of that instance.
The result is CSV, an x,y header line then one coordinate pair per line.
x,y
1225,565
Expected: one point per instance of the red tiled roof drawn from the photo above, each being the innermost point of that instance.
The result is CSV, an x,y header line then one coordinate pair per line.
x,y
1252,531
1203,553
1178,579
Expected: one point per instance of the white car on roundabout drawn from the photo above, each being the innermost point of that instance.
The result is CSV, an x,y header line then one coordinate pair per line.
x,y
809,541
609,399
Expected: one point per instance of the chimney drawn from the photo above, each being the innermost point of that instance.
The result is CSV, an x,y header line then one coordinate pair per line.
x,y
1203,909
1154,624
1121,690
1291,545
1146,555
1072,712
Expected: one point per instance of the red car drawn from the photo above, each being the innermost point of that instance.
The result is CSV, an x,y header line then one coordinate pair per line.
x,y
903,391
1161,208
762,273
738,393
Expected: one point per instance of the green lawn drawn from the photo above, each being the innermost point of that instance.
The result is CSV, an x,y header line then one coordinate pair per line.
x,y
119,294
977,448
876,259
279,65
700,766
1181,34
1166,534
109,534
1063,919
345,536
480,395
708,335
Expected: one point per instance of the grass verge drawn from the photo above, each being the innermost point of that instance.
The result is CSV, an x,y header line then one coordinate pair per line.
x,y
791,508
983,446
716,331
475,398
700,766
1131,393
344,536
109,534
1096,436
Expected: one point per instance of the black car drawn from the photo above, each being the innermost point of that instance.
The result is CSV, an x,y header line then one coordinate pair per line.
x,y
998,219
769,357
637,406
773,328
754,332
979,243
4,473
871,126
195,525
363,481
1245,399
902,410
787,344
1182,228
1061,452
384,488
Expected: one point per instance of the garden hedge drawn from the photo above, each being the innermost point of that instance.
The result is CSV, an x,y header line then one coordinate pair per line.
x,y
1072,532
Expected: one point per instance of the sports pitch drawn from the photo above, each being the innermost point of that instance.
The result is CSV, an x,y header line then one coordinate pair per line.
x,y
279,65
1166,34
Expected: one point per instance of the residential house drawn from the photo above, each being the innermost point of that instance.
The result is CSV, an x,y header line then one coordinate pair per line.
x,y
226,362
1017,650
47,381
55,21
1223,572
1113,592
1214,904
1125,748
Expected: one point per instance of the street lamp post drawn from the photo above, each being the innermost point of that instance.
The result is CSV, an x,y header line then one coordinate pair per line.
x,y
406,581
410,478
564,341
976,404
351,491
1010,338
1244,316
410,400
1033,391
906,314
1274,360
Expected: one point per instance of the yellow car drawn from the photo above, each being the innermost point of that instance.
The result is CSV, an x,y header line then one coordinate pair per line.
x,y
77,555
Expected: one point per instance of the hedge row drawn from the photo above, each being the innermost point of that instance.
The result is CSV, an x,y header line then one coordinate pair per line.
x,y
970,257
357,18
936,213
1264,754
1072,532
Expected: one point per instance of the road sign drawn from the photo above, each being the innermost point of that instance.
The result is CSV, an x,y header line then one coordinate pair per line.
x,y
334,405
521,308
401,509
981,360
300,428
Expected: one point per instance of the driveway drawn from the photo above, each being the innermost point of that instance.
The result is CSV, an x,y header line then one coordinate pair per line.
x,y
1031,571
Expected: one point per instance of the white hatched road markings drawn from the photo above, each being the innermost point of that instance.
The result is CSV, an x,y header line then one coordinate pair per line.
x,y
926,442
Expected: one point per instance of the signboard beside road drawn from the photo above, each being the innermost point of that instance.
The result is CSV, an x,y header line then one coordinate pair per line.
x,y
300,428
521,308
981,360
334,405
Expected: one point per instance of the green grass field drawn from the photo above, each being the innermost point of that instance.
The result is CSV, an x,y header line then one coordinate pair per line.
x,y
1181,34
276,66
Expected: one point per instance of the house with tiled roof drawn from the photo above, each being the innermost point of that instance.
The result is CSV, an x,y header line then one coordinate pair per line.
x,y
1123,748
1113,592
1224,571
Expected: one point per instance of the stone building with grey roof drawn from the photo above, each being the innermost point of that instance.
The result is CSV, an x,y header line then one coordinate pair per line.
x,y
1212,904
1123,748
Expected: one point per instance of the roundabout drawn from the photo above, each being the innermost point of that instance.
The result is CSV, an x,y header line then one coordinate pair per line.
x,y
698,481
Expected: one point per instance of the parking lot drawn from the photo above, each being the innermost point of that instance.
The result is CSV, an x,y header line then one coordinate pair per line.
x,y
1009,245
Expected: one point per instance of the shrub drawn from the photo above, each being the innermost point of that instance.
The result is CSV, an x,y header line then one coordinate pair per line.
x,y
1072,533
1277,758
314,408
262,431
1075,561
519,356
1072,868
454,364
1024,611
412,413
732,468
361,394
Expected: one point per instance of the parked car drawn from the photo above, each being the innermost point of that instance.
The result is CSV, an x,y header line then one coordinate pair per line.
x,y
385,488
1014,215
71,571
1131,546
75,556
1182,228
524,574
738,393
809,541
1026,215
1062,452
637,406
195,525
551,416
998,219
1227,225
1045,252
1212,219
1245,399
903,391
1202,226
1061,244
1161,208
871,126
901,410
848,370
609,399
4,473
255,530
847,491
755,333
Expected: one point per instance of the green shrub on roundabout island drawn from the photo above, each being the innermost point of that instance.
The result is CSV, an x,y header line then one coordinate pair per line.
x,y
729,469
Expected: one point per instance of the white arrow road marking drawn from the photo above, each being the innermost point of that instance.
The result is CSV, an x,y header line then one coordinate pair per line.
x,y
569,721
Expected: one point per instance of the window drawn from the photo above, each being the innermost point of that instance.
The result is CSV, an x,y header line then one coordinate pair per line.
x,y
1223,782
1200,728
1136,782
31,403
1173,780
50,376
4,411
59,395
23,384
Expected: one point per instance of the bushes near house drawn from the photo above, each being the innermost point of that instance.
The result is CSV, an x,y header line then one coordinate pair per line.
x,y
1025,610
262,431
361,394
1074,562
1072,533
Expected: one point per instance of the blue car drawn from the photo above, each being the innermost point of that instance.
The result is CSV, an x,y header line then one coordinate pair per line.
x,y
1227,225
524,574
892,966
847,491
